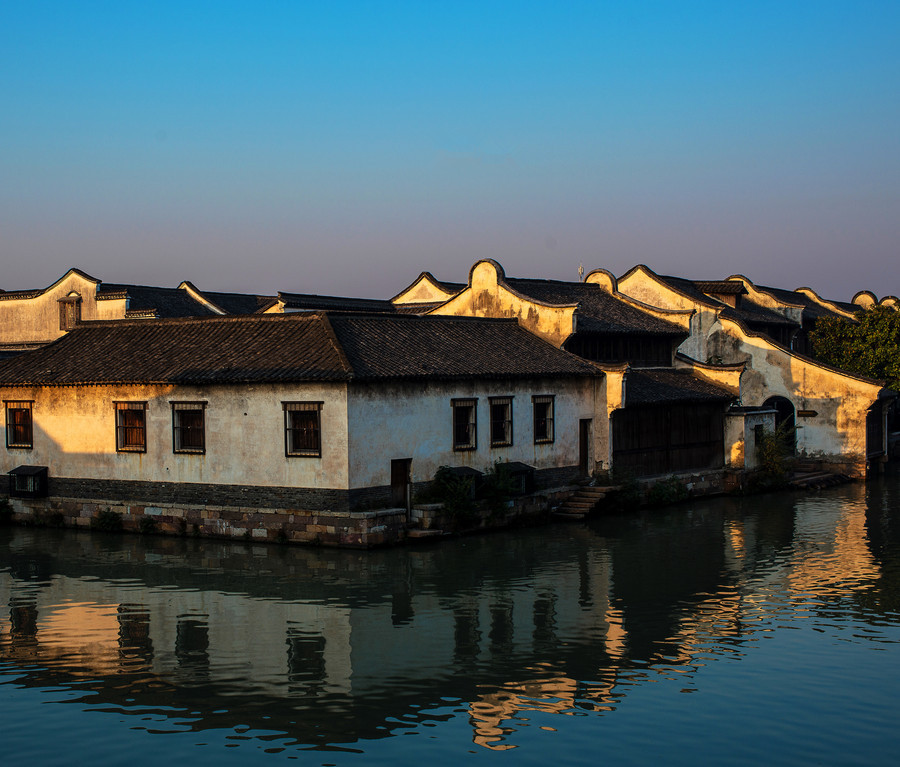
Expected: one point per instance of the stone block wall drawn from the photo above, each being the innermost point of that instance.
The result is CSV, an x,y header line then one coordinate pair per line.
x,y
281,525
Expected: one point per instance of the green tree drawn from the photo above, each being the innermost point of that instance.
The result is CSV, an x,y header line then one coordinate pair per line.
x,y
870,346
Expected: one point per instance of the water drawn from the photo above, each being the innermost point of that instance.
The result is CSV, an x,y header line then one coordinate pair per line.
x,y
738,631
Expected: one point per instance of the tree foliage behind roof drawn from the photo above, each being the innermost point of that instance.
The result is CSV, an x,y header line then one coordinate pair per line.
x,y
870,347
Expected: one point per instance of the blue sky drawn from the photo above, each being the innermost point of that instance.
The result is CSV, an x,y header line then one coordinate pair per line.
x,y
343,147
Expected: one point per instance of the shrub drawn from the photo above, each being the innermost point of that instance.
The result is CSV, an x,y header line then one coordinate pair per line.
x,y
56,519
666,492
108,521
772,451
629,495
455,493
498,488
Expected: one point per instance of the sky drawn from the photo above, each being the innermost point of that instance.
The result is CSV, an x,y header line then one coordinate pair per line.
x,y
340,147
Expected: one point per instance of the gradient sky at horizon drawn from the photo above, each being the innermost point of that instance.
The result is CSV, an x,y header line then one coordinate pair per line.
x,y
343,147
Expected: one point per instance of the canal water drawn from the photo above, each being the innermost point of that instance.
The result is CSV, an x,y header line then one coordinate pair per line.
x,y
761,630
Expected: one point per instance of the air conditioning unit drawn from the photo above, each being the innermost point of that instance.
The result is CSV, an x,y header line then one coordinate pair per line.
x,y
28,482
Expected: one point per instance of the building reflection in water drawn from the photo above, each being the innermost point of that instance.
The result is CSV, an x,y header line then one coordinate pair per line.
x,y
333,646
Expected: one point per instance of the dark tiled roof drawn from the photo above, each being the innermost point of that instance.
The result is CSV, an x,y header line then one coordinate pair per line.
x,y
450,287
290,348
812,310
720,287
651,387
598,310
690,289
417,308
198,351
753,313
165,302
748,311
449,347
309,302
240,303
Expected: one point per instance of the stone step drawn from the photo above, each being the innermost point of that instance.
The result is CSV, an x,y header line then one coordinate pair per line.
x,y
818,480
587,503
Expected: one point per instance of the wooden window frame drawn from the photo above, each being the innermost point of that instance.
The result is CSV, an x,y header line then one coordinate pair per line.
x,y
460,406
69,312
24,439
549,432
504,439
293,433
126,432
179,429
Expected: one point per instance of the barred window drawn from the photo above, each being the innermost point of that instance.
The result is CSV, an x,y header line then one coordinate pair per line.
x,y
501,421
131,427
543,418
188,427
19,431
465,424
302,428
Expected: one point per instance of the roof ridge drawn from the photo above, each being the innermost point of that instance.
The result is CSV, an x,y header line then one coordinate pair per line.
x,y
336,344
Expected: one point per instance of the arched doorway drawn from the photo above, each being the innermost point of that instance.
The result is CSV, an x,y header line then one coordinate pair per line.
x,y
784,420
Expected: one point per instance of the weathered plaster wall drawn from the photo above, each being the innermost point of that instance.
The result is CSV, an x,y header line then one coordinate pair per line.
x,y
610,397
486,296
791,312
840,401
810,293
645,287
75,435
32,320
740,437
415,420
422,291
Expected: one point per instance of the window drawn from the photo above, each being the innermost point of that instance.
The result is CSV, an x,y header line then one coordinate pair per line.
x,y
302,428
69,312
543,418
188,427
465,432
19,433
131,427
501,421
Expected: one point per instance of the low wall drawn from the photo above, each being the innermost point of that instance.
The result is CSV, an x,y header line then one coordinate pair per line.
x,y
362,529
351,529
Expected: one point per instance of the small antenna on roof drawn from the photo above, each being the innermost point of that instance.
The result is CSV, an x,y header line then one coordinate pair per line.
x,y
581,272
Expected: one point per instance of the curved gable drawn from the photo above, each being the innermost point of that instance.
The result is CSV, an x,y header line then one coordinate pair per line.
x,y
425,289
487,295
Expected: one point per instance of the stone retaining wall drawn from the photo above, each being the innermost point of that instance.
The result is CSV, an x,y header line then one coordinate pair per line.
x,y
359,529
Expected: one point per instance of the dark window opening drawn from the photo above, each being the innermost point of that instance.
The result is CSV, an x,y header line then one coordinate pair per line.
x,y
188,427
131,427
501,421
464,424
302,429
543,418
19,431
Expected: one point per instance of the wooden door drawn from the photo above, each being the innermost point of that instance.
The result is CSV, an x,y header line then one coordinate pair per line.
x,y
584,445
401,481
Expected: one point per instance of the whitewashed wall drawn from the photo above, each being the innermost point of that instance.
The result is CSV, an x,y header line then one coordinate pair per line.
x,y
75,435
415,420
